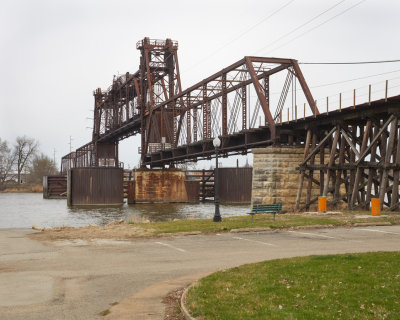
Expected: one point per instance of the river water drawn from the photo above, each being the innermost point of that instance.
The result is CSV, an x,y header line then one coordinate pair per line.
x,y
24,210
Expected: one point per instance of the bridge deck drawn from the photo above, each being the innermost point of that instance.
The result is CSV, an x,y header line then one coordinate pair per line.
x,y
290,132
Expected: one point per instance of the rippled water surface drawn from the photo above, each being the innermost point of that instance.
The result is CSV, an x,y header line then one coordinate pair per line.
x,y
24,210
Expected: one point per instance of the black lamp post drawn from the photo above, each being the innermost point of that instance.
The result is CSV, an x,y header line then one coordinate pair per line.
x,y
217,215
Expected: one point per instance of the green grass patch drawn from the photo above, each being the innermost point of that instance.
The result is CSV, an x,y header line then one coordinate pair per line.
x,y
207,225
349,286
262,220
105,312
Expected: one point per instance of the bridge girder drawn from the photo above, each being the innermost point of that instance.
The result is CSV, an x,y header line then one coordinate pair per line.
x,y
151,102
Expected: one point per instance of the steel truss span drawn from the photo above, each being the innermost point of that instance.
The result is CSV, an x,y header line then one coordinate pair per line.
x,y
178,125
352,153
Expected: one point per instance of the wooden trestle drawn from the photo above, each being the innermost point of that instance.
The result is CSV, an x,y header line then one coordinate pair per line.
x,y
358,159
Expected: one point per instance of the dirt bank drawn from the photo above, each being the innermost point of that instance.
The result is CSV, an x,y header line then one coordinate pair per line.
x,y
121,230
113,230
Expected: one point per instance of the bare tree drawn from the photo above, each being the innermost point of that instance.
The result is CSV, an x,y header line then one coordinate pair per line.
x,y
41,166
190,165
6,163
24,150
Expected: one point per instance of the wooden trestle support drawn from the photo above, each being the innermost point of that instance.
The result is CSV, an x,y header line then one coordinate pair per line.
x,y
352,163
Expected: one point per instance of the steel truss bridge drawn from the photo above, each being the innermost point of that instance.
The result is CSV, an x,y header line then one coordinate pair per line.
x,y
356,148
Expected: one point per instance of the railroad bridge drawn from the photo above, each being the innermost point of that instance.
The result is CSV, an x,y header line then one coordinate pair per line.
x,y
350,154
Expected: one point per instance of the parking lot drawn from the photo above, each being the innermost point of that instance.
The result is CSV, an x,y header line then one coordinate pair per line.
x,y
77,279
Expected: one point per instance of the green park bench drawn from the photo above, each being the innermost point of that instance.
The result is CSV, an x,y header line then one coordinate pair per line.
x,y
265,208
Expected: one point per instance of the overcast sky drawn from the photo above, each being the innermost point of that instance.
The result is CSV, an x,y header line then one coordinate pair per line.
x,y
53,54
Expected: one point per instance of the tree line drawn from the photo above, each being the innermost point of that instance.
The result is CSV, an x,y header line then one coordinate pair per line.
x,y
24,156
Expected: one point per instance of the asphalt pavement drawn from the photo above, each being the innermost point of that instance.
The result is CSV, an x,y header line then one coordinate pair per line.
x,y
78,279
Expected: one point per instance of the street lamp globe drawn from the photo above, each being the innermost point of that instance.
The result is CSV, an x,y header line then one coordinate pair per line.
x,y
216,142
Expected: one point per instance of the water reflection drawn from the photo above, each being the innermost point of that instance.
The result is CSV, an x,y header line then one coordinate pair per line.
x,y
98,214
143,212
25,210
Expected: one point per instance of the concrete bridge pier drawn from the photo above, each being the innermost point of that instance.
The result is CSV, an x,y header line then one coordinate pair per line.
x,y
161,185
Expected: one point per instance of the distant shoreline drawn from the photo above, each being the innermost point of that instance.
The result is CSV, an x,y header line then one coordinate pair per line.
x,y
25,188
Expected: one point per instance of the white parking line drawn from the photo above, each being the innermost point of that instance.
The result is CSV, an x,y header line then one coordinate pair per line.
x,y
168,245
266,243
376,230
313,234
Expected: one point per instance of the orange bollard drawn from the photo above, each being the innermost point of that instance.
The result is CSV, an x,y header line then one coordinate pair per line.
x,y
321,204
375,207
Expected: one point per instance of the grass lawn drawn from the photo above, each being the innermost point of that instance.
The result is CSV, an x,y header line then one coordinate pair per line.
x,y
349,286
264,220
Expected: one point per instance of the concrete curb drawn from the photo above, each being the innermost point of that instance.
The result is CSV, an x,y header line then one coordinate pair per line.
x,y
255,229
314,226
372,224
185,312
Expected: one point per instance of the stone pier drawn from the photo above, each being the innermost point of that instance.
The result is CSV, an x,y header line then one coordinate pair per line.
x,y
275,178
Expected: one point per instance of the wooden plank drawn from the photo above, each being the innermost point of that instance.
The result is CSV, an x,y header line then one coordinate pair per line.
x,y
331,161
301,181
376,138
362,133
395,188
310,179
358,171
371,171
339,171
321,172
352,158
351,144
315,150
389,151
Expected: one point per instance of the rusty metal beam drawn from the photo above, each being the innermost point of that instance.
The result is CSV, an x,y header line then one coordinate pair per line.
x,y
305,88
261,97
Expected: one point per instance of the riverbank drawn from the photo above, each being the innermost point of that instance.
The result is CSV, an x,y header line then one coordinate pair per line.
x,y
22,188
123,230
